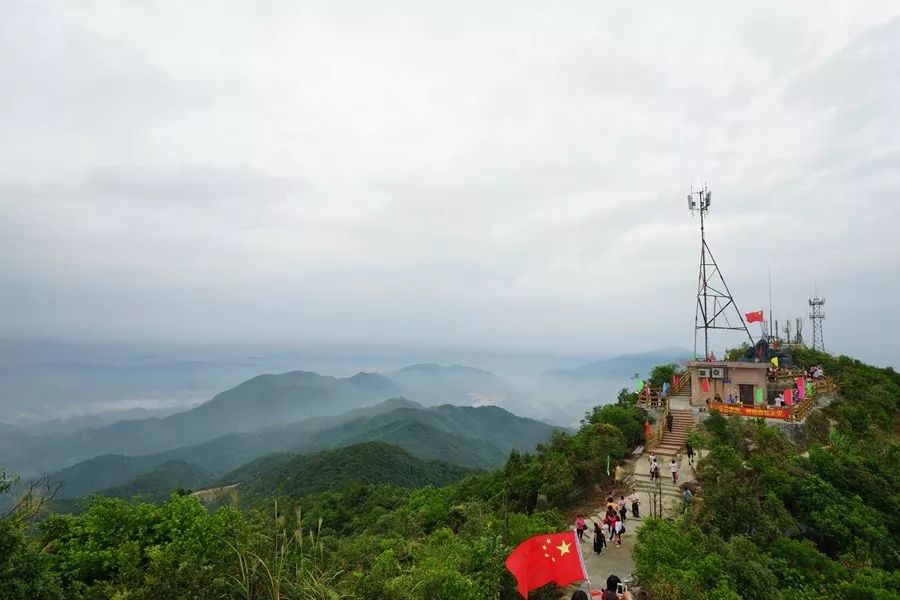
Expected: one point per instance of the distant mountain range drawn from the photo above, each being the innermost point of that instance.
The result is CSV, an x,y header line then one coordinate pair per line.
x,y
285,411
628,364
476,437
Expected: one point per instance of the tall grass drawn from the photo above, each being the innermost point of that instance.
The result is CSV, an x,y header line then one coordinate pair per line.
x,y
288,565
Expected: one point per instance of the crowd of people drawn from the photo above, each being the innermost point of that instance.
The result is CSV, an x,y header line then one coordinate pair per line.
x,y
615,514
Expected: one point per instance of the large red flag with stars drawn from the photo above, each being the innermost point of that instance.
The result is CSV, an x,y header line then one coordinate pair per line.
x,y
544,558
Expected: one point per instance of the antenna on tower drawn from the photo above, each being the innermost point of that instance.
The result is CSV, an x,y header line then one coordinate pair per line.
x,y
817,316
713,295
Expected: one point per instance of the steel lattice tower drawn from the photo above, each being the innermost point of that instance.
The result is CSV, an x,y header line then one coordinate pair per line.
x,y
713,295
817,316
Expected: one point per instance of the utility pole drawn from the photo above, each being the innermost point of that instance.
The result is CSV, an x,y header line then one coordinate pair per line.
x,y
713,295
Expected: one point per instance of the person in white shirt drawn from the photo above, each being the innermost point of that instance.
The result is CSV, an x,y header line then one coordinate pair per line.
x,y
674,466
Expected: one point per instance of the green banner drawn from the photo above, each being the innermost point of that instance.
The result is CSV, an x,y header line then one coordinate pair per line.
x,y
760,399
640,386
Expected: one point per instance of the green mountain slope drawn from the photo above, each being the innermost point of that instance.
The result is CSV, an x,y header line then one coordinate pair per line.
x,y
415,436
157,484
367,463
472,436
476,437
216,456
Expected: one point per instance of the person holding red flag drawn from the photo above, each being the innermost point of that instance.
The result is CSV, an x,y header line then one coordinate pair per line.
x,y
542,559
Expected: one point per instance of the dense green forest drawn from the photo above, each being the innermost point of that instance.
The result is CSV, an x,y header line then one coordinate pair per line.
x,y
774,518
288,476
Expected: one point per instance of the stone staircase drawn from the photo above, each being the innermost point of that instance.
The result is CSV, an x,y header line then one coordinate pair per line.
x,y
664,493
673,441
683,395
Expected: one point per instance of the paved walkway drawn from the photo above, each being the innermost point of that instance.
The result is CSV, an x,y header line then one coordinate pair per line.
x,y
619,561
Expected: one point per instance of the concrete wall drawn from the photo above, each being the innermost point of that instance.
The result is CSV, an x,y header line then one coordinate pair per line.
x,y
736,373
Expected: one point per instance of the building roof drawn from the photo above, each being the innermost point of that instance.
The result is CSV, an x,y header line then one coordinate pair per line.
x,y
731,364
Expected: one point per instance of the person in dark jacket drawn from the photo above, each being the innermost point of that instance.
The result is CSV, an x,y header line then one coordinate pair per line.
x,y
670,420
599,538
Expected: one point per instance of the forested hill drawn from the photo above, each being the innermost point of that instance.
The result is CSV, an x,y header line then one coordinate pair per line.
x,y
294,476
479,437
816,515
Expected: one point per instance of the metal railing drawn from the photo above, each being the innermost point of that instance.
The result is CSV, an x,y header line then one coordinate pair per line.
x,y
656,436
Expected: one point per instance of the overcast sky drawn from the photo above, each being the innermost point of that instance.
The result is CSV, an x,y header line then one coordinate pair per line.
x,y
499,174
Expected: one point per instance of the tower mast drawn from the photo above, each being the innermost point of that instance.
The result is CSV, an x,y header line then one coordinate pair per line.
x,y
713,295
817,316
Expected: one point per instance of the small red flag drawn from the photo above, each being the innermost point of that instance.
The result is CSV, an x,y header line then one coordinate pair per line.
x,y
789,397
754,317
704,384
552,557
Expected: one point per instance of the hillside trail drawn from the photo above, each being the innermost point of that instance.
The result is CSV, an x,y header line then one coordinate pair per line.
x,y
619,560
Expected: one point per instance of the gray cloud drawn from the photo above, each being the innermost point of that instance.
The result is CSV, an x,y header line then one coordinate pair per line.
x,y
509,175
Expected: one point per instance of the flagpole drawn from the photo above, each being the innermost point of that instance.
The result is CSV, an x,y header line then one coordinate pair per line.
x,y
771,316
581,558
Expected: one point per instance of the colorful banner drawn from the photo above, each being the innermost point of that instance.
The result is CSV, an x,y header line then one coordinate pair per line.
x,y
801,388
704,384
751,411
788,397
809,388
640,386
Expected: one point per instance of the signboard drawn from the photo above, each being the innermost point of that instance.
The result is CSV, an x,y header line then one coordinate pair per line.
x,y
751,411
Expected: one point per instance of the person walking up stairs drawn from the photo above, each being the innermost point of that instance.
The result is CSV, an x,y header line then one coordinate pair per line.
x,y
673,440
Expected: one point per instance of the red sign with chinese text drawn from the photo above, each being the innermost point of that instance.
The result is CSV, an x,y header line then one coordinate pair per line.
x,y
751,411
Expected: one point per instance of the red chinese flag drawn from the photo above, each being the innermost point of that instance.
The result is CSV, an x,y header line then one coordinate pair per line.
x,y
754,317
789,397
552,557
704,384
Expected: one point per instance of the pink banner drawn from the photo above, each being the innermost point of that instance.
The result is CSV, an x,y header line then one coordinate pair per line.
x,y
801,388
